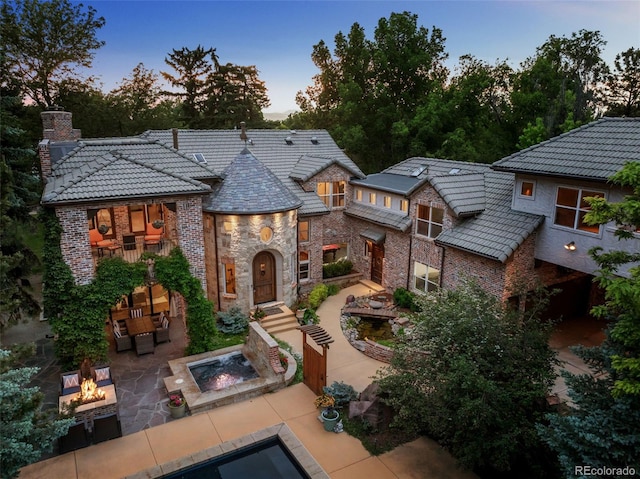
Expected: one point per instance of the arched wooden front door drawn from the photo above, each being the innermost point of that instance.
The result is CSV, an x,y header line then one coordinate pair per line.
x,y
264,278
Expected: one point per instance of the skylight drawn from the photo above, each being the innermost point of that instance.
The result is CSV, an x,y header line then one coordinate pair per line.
x,y
454,171
199,157
418,171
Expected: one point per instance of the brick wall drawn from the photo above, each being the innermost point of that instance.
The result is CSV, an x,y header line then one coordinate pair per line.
x,y
191,236
263,349
459,266
74,242
326,229
56,126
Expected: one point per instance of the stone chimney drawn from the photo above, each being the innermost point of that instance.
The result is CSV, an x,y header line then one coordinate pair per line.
x,y
56,126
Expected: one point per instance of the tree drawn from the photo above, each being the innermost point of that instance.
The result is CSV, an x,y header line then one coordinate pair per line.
x,y
139,103
623,85
25,430
235,94
193,68
390,75
474,376
46,42
603,428
19,193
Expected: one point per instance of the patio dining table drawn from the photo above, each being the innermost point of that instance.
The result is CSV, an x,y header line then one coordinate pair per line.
x,y
140,325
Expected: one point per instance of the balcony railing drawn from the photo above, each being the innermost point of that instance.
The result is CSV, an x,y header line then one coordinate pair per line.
x,y
131,252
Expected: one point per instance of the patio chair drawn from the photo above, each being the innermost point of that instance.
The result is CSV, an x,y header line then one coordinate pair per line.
x,y
106,427
123,340
144,343
97,240
153,236
162,332
76,438
70,383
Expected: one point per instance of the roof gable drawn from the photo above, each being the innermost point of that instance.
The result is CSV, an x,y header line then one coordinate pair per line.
x,y
115,176
464,194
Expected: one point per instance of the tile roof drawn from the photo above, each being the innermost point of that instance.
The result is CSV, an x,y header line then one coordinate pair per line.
x,y
250,188
479,196
388,218
271,148
114,175
465,194
498,231
594,151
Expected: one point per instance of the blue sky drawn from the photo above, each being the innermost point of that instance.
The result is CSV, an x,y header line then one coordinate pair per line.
x,y
278,36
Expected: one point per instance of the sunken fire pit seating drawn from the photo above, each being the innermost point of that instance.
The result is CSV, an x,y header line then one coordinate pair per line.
x,y
70,381
76,438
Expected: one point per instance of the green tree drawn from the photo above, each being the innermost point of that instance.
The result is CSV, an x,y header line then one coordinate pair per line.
x,y
603,427
19,193
193,68
474,376
623,85
46,42
139,103
389,75
25,430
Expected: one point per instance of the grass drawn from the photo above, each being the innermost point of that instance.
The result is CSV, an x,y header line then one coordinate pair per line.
x,y
225,340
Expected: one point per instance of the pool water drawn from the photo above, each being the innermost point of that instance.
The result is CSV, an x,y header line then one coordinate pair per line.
x,y
267,459
223,371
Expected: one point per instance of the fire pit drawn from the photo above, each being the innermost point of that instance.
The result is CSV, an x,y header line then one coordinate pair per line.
x,y
91,400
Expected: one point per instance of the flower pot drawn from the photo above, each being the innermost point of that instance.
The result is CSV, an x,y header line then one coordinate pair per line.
x,y
329,422
177,411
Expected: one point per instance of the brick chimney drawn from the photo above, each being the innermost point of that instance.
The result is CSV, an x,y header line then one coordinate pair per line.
x,y
56,126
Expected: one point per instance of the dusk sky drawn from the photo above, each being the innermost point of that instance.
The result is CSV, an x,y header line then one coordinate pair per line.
x,y
278,36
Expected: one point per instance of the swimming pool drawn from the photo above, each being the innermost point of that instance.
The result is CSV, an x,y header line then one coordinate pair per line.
x,y
267,459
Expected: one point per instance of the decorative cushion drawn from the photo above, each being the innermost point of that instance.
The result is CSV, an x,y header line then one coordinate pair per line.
x,y
70,381
117,333
102,374
136,313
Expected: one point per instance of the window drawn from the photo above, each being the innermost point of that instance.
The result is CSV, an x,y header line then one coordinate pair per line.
x,y
358,194
425,277
387,201
331,193
140,215
372,198
303,231
334,252
303,266
229,278
404,205
429,221
571,208
527,189
102,218
266,234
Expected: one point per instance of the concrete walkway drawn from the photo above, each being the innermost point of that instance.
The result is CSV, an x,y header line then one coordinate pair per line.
x,y
340,455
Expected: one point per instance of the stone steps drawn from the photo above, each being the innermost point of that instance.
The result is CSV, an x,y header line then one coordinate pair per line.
x,y
280,322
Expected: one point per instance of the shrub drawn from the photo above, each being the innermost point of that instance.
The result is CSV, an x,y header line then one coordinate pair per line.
x,y
404,298
341,392
332,289
232,321
318,294
339,268
310,316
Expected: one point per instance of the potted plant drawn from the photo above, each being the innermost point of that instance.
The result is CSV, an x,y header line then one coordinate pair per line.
x,y
157,224
329,414
103,229
177,406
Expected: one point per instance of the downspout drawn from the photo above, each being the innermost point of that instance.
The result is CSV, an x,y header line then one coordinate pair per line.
x,y
215,243
410,248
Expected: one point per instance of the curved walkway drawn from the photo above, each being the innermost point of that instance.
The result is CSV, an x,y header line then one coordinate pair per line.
x,y
164,448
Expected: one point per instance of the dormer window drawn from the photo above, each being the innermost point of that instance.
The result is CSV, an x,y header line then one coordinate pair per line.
x,y
527,189
372,198
358,194
331,193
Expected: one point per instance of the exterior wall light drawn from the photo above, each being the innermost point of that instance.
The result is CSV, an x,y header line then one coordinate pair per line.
x,y
570,246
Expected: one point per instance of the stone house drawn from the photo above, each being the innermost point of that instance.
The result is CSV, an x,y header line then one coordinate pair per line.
x,y
257,213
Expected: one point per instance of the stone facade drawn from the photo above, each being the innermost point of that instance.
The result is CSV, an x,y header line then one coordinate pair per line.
x,y
235,240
